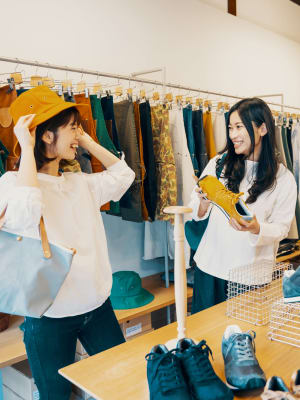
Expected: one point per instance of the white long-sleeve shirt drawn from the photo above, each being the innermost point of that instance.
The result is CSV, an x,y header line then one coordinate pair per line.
x,y
222,247
70,206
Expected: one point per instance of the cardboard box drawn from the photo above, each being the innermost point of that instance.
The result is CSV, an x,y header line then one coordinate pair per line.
x,y
136,326
18,379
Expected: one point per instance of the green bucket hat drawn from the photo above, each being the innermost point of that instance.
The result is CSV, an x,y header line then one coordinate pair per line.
x,y
127,291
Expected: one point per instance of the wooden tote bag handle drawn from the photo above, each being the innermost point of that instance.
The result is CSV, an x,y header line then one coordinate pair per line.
x,y
43,234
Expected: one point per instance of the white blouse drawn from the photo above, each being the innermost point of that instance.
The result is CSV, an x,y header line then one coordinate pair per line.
x,y
222,247
70,205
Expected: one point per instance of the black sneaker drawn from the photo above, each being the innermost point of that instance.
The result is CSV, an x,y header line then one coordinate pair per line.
x,y
165,377
203,382
242,369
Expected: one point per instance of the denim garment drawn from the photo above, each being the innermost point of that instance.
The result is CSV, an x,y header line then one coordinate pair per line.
x,y
51,343
207,291
199,139
188,124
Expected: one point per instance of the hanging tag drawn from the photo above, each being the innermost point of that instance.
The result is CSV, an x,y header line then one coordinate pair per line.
x,y
34,80
48,82
119,91
66,84
169,97
60,90
86,91
80,87
97,88
199,102
155,96
142,93
17,77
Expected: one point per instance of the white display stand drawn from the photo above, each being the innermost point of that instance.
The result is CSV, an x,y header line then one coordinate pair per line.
x,y
179,272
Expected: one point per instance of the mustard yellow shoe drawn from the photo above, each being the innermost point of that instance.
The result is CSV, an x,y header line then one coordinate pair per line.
x,y
228,202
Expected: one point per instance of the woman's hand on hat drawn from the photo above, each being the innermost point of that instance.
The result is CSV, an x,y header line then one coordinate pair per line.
x,y
25,136
246,226
84,139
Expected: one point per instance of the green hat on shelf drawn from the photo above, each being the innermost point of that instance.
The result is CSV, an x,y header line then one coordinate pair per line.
x,y
127,291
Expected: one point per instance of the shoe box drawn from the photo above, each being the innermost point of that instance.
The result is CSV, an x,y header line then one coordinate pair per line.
x,y
18,384
136,326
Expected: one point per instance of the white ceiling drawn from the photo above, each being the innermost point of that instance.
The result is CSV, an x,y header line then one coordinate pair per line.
x,y
280,16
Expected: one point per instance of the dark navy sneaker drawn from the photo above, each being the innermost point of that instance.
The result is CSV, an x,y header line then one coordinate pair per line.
x,y
276,389
242,370
165,377
291,286
203,382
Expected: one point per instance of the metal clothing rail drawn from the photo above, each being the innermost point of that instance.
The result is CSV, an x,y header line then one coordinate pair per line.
x,y
129,78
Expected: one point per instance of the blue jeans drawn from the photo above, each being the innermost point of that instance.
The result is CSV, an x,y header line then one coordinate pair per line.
x,y
51,344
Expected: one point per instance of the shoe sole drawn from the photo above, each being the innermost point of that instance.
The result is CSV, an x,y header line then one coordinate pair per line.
x,y
245,217
255,383
291,299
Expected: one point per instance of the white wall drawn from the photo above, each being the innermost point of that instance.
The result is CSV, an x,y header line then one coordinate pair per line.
x,y
200,46
281,16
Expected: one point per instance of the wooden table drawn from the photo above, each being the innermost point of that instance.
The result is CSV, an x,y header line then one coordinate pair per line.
x,y
120,373
12,349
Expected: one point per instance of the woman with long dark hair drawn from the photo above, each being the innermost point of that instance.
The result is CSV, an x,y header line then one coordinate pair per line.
x,y
250,166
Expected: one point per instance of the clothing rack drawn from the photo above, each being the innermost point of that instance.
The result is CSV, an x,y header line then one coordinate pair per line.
x,y
132,77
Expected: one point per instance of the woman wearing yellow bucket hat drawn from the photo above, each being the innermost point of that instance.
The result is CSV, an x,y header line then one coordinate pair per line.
x,y
48,132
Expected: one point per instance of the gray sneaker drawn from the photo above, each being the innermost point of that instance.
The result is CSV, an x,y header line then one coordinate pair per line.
x,y
291,286
242,370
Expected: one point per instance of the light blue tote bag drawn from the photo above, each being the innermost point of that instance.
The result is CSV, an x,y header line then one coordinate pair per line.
x,y
31,272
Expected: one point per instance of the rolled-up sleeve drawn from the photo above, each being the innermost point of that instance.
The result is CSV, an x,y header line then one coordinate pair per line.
x,y
278,224
112,183
23,204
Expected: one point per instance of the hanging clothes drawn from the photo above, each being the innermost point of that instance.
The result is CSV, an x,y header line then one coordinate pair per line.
x,y
219,130
199,138
137,119
296,152
150,187
209,134
295,227
130,203
3,157
109,117
164,162
188,124
82,155
7,136
105,140
89,126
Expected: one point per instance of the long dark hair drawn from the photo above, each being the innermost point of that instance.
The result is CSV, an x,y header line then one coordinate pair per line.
x,y
257,111
52,124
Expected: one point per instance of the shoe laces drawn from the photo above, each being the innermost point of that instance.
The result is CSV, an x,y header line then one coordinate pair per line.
x,y
277,395
234,197
167,371
199,365
244,346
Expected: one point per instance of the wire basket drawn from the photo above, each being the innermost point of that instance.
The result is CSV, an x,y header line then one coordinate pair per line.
x,y
285,323
252,289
